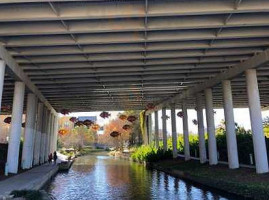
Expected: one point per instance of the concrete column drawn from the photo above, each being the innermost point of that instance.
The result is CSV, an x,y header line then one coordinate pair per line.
x,y
51,133
212,145
156,117
48,132
164,129
27,151
150,129
201,129
230,125
2,77
43,135
55,137
37,146
34,132
256,122
185,132
15,128
174,130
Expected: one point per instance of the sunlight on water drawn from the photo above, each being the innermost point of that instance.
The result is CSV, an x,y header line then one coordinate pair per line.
x,y
106,178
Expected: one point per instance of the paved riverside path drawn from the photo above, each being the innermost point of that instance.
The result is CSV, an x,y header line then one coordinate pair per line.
x,y
33,179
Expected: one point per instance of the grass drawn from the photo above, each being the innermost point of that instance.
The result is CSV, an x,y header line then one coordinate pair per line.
x,y
243,181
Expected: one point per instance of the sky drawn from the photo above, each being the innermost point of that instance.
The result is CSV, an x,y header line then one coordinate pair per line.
x,y
241,116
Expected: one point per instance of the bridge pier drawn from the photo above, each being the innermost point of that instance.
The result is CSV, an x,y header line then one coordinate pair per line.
x,y
230,125
27,152
256,122
185,131
15,128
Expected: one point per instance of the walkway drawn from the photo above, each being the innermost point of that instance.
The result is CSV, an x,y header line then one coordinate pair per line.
x,y
33,179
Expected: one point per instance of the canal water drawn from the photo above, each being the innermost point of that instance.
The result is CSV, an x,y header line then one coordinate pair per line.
x,y
100,177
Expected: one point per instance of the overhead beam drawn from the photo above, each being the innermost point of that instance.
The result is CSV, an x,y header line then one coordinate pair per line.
x,y
20,75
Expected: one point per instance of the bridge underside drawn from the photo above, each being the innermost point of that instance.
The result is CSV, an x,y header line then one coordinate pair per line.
x,y
117,55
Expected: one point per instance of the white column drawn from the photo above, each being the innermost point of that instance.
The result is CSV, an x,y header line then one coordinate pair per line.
x,y
52,133
212,146
185,132
55,138
48,131
27,151
164,129
150,129
256,122
34,132
15,128
201,129
37,146
230,125
43,135
174,130
156,129
2,77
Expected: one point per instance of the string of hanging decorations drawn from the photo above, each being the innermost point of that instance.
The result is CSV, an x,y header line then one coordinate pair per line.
x,y
194,121
127,127
105,114
180,114
7,120
114,134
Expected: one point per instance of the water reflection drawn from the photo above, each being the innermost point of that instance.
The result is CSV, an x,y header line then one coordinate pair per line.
x,y
105,178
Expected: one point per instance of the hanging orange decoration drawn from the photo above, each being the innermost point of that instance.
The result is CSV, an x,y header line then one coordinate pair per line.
x,y
62,131
127,127
73,119
7,120
180,114
6,108
65,111
150,106
88,123
105,114
131,118
79,123
194,121
95,127
114,134
123,117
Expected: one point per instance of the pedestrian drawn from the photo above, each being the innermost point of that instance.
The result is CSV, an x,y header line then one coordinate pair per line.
x,y
55,157
50,158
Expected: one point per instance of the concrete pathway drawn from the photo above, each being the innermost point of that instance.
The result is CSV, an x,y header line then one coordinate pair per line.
x,y
33,179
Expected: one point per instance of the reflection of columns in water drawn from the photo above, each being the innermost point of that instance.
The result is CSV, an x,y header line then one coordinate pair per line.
x,y
158,178
166,185
176,184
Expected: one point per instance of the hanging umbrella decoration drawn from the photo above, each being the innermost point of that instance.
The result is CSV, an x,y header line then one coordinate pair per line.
x,y
131,118
166,117
114,134
73,119
194,121
180,114
65,111
88,123
79,123
7,120
95,127
123,117
6,108
62,132
105,114
150,106
127,127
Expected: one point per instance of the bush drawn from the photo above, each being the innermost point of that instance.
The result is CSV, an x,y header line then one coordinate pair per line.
x,y
150,154
27,194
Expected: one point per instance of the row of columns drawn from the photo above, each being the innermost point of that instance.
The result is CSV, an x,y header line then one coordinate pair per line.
x,y
40,132
260,151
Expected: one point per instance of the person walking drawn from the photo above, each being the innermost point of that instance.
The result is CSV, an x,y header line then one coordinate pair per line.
x,y
50,158
55,157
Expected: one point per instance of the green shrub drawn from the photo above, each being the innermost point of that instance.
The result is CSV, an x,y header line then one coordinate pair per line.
x,y
27,194
150,154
